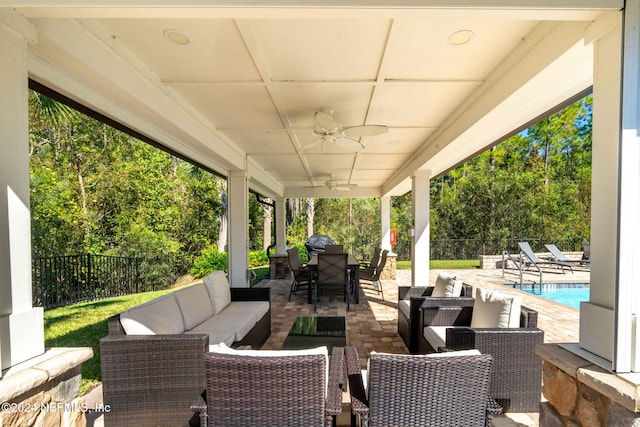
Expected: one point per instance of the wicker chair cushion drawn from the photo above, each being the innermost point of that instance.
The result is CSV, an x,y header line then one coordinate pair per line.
x,y
447,285
194,304
259,308
159,316
495,310
216,337
219,291
238,323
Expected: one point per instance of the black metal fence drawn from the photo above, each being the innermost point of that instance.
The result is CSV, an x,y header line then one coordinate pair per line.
x,y
64,280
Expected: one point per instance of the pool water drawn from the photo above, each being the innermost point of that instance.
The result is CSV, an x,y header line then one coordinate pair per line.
x,y
570,294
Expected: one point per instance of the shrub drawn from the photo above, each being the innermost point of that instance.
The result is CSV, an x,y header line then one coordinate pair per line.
x,y
209,261
258,258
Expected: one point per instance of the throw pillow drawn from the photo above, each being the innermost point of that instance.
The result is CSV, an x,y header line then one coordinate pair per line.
x,y
495,310
219,290
447,285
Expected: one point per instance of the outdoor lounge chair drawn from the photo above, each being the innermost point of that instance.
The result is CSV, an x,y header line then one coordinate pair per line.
x,y
415,390
531,258
271,388
517,371
560,256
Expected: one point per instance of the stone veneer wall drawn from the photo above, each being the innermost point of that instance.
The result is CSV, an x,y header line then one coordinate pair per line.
x,y
580,394
45,393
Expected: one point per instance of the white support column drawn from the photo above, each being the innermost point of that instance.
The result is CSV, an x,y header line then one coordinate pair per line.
x,y
238,187
420,186
596,316
627,305
21,325
385,222
281,226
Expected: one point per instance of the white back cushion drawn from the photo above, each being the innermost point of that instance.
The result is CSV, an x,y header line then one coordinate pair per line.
x,y
447,285
159,316
495,310
195,305
219,292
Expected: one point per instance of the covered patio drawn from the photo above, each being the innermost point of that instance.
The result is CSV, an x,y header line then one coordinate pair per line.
x,y
301,98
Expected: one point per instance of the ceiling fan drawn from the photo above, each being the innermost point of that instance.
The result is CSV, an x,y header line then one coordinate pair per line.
x,y
333,185
331,132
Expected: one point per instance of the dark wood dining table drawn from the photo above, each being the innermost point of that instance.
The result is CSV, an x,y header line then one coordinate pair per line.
x,y
354,268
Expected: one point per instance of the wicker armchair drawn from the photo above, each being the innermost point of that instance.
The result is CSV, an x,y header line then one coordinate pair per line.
x,y
271,390
517,371
411,298
418,390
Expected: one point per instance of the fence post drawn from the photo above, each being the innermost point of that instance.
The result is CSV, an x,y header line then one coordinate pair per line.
x,y
137,264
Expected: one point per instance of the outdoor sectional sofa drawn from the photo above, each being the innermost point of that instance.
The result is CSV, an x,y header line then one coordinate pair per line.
x,y
153,358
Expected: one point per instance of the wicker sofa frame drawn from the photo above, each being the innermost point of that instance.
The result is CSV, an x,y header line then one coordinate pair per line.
x,y
517,371
151,380
412,390
409,326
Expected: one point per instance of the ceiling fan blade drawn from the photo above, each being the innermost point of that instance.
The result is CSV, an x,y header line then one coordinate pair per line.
x,y
345,187
311,144
348,143
365,130
325,121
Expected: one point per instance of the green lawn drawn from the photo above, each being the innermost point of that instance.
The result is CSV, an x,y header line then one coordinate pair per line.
x,y
442,264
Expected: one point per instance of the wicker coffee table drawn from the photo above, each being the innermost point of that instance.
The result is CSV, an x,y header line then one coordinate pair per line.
x,y
316,331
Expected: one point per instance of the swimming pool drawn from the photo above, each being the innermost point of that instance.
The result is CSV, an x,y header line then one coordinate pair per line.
x,y
570,294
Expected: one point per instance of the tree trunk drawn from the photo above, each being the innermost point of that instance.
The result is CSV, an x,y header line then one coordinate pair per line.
x,y
266,241
222,237
310,213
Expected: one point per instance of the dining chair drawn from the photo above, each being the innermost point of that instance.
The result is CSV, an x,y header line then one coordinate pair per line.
x,y
300,271
333,270
333,249
372,276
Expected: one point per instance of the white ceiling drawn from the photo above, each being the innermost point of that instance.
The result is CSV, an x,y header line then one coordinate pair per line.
x,y
242,93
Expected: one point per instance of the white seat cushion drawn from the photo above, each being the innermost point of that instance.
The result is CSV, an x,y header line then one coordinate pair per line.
x,y
447,285
436,336
473,352
403,307
239,324
258,308
195,305
159,316
223,349
216,337
495,310
219,290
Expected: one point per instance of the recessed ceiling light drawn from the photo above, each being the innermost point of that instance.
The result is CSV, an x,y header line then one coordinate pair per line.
x,y
176,36
394,142
461,37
